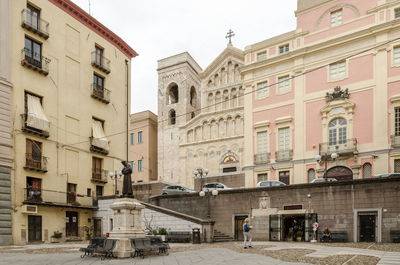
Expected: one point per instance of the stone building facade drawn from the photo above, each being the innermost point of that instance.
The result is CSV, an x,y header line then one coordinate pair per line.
x,y
200,116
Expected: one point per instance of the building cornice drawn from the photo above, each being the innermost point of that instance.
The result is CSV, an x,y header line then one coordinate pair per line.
x,y
93,24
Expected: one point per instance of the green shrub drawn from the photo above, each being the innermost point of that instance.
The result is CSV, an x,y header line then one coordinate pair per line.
x,y
56,234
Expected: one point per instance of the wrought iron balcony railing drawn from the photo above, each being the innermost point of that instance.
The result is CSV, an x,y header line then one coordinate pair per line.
x,y
395,141
100,93
283,155
35,125
346,147
99,175
40,64
99,145
36,25
101,62
56,198
35,162
262,158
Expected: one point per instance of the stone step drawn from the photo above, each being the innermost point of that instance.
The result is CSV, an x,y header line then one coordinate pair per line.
x,y
221,237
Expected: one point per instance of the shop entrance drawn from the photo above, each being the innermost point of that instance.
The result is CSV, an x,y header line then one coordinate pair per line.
x,y
239,221
281,227
288,224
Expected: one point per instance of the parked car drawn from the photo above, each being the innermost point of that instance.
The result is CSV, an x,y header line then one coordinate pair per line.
x,y
386,175
270,183
320,180
176,190
215,186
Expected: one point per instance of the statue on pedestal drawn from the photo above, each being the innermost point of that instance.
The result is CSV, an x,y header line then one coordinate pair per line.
x,y
127,184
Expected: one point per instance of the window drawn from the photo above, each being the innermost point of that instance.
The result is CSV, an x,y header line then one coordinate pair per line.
x,y
71,193
367,170
173,95
284,139
98,84
172,117
396,55
337,131
33,154
34,114
336,18
132,138
397,121
397,166
261,56
397,13
33,17
262,177
140,137
99,191
284,48
337,70
33,52
96,168
98,55
33,189
283,84
193,96
139,165
262,90
311,175
262,142
284,176
89,192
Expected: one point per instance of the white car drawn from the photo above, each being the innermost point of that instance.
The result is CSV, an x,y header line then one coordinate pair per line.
x,y
215,186
320,180
270,183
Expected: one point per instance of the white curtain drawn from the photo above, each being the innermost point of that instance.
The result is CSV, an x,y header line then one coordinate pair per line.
x,y
99,137
35,116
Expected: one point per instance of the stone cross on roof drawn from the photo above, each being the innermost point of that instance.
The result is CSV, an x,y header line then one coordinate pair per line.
x,y
229,36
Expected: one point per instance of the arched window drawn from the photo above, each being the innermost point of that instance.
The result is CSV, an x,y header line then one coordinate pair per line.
x,y
337,131
193,96
192,115
311,175
172,117
173,94
367,170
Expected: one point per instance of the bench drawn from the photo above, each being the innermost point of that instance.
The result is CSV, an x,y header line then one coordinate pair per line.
x,y
395,236
94,244
336,236
107,249
147,244
179,237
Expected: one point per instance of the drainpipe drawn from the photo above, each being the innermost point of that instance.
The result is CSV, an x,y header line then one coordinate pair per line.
x,y
127,109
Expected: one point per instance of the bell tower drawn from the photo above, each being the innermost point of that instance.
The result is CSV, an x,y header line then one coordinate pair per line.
x,y
178,102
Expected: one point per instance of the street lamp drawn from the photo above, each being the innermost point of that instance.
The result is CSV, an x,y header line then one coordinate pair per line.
x,y
115,176
209,193
200,172
324,159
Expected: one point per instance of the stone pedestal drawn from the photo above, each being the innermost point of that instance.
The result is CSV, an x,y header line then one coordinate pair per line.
x,y
127,223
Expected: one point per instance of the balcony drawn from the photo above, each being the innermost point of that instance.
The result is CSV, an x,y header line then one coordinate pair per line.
x,y
346,147
101,62
57,198
100,93
99,175
99,145
284,155
263,158
395,141
40,65
35,162
35,126
39,27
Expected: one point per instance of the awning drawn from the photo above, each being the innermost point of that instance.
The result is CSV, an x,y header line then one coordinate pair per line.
x,y
99,137
289,212
35,116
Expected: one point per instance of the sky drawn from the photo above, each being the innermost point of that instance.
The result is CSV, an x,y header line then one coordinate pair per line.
x,y
156,29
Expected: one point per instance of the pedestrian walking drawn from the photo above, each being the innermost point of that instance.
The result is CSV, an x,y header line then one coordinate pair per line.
x,y
295,229
246,232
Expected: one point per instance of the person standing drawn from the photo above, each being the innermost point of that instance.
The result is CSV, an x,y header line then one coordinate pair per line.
x,y
295,229
246,232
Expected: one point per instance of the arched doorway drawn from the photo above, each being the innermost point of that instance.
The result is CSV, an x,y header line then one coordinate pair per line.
x,y
340,173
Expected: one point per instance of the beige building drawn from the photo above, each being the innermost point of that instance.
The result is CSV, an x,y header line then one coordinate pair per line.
x,y
200,116
70,78
143,146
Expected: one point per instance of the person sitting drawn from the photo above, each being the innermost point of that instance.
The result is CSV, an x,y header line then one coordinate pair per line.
x,y
326,235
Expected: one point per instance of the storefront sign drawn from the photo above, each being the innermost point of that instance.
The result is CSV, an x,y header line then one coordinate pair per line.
x,y
293,207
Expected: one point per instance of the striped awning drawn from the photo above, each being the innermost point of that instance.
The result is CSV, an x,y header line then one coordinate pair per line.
x,y
99,137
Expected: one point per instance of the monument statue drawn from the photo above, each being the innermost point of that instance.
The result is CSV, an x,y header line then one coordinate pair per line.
x,y
127,184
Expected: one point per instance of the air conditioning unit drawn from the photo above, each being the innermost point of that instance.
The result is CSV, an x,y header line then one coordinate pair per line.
x,y
29,209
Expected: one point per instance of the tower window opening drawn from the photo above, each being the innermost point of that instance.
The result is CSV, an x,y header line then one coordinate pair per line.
x,y
173,95
172,117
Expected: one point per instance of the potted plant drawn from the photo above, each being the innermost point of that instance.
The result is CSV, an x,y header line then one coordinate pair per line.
x,y
55,238
162,232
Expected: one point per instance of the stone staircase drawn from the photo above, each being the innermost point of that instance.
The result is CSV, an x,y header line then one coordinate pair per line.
x,y
221,237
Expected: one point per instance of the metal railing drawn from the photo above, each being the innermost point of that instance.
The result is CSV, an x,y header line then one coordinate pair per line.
x,y
39,26
395,140
101,93
36,162
348,146
56,198
99,175
101,62
35,125
262,158
28,60
284,155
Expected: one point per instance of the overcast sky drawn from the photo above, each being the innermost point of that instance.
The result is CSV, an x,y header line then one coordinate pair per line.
x,y
160,28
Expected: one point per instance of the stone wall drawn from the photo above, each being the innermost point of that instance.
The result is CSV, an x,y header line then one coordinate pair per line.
x,y
335,204
143,191
5,206
232,180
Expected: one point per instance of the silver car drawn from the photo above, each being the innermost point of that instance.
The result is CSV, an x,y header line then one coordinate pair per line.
x,y
320,180
386,175
270,183
176,190
215,186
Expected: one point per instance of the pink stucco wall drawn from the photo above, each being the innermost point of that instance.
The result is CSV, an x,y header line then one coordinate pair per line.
x,y
313,125
360,69
272,51
363,116
273,96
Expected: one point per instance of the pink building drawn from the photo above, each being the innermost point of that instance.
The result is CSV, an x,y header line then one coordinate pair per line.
x,y
330,89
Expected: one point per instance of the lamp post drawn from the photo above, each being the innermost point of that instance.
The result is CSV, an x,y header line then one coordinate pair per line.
x,y
115,176
209,193
324,159
200,172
